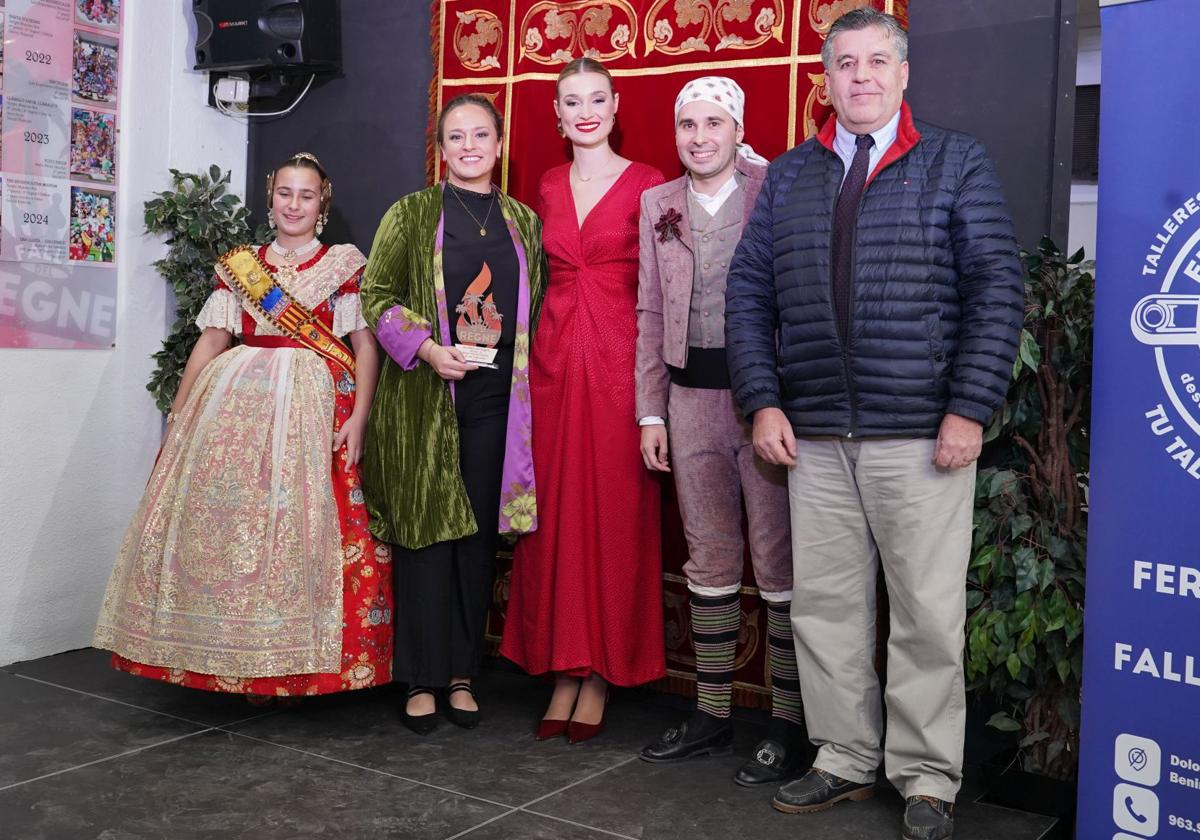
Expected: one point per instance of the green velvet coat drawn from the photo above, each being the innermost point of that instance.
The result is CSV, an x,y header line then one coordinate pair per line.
x,y
414,490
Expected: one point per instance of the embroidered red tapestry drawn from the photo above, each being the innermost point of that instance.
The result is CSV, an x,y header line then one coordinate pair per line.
x,y
512,50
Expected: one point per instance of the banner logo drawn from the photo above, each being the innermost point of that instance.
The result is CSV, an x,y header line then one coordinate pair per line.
x,y
1169,321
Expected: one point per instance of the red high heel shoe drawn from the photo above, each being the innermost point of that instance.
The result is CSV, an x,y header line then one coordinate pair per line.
x,y
548,728
578,732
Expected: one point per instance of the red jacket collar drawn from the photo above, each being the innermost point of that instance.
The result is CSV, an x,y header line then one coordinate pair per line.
x,y
906,137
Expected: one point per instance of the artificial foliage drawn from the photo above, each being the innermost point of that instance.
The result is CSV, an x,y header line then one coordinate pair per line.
x,y
202,219
1025,586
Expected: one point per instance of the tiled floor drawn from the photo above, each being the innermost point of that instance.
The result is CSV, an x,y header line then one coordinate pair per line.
x,y
87,752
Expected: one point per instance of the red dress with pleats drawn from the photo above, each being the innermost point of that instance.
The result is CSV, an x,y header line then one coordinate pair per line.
x,y
586,590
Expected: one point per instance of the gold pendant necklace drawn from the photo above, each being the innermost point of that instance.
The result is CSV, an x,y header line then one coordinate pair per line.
x,y
483,224
601,173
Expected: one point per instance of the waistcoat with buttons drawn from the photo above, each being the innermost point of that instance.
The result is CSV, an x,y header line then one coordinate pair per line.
x,y
714,239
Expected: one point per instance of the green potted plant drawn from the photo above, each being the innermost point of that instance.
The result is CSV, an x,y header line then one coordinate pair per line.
x,y
1025,586
202,220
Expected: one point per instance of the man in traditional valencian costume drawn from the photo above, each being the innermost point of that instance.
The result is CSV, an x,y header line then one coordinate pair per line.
x,y
690,426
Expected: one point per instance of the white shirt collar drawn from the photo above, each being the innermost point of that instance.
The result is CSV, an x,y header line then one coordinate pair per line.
x,y
884,136
712,203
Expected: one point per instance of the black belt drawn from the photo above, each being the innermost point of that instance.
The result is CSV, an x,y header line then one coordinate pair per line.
x,y
706,368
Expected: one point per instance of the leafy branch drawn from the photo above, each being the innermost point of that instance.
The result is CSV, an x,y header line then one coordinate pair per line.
x,y
202,220
1026,578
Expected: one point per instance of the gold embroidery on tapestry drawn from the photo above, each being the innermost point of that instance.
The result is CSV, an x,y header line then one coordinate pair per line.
x,y
723,65
478,29
580,29
822,13
719,19
818,96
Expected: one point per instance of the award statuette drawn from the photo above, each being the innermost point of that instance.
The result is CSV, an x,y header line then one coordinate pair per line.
x,y
477,331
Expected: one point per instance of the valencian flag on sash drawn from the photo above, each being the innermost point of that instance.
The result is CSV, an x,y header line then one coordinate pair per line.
x,y
1140,751
246,274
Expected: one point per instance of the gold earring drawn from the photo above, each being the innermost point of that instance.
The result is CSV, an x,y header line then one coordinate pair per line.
x,y
558,127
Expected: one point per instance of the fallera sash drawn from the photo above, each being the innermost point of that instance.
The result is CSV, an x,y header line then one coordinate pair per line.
x,y
245,273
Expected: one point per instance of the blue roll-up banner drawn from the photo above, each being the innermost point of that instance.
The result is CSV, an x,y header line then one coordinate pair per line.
x,y
1140,751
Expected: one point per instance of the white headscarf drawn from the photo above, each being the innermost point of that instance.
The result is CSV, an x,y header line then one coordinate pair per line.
x,y
724,93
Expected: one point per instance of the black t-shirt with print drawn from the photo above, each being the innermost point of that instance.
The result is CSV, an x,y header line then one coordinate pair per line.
x,y
482,309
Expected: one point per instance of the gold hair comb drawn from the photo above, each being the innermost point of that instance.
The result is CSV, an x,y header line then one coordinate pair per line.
x,y
308,156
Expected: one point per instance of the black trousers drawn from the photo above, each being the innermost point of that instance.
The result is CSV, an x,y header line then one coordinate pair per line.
x,y
443,590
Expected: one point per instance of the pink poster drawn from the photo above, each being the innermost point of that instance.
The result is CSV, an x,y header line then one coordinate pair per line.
x,y
58,186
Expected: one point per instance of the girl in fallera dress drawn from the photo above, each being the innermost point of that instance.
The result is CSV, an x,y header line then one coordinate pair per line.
x,y
585,600
248,566
453,290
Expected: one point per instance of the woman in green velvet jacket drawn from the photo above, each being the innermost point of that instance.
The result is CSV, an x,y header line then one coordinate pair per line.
x,y
452,289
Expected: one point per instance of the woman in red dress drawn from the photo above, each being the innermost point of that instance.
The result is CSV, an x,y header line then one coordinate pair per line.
x,y
586,593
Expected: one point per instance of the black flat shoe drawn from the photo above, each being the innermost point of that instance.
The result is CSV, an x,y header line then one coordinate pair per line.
x,y
702,735
462,717
771,763
420,724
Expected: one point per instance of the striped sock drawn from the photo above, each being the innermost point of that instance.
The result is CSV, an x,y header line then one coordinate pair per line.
x,y
781,658
715,623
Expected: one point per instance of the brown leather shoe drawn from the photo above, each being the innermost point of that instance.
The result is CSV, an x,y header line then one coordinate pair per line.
x,y
817,790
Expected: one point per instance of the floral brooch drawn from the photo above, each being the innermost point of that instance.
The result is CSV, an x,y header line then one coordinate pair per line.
x,y
668,225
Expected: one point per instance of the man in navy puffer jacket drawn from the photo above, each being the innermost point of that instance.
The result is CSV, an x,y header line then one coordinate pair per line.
x,y
873,311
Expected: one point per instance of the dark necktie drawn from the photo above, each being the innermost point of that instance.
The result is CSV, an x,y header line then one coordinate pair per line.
x,y
845,222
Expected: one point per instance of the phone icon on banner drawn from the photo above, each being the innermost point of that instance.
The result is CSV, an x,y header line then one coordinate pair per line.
x,y
1135,809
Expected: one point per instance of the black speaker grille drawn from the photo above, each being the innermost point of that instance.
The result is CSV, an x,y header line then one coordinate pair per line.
x,y
284,22
1085,158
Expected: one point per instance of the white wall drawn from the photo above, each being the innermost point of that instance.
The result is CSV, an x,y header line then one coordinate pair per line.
x,y
78,429
1081,224
1087,62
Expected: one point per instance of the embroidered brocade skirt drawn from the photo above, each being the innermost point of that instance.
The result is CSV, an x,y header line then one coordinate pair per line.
x,y
248,566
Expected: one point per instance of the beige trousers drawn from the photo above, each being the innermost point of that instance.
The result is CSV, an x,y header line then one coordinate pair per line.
x,y
856,506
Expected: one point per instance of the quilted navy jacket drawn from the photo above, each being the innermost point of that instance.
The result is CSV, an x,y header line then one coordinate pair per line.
x,y
937,296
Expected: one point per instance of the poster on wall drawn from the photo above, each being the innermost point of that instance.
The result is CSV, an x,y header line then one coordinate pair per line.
x,y
1140,746
59,174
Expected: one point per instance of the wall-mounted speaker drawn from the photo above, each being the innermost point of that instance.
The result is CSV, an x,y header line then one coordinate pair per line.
x,y
264,34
